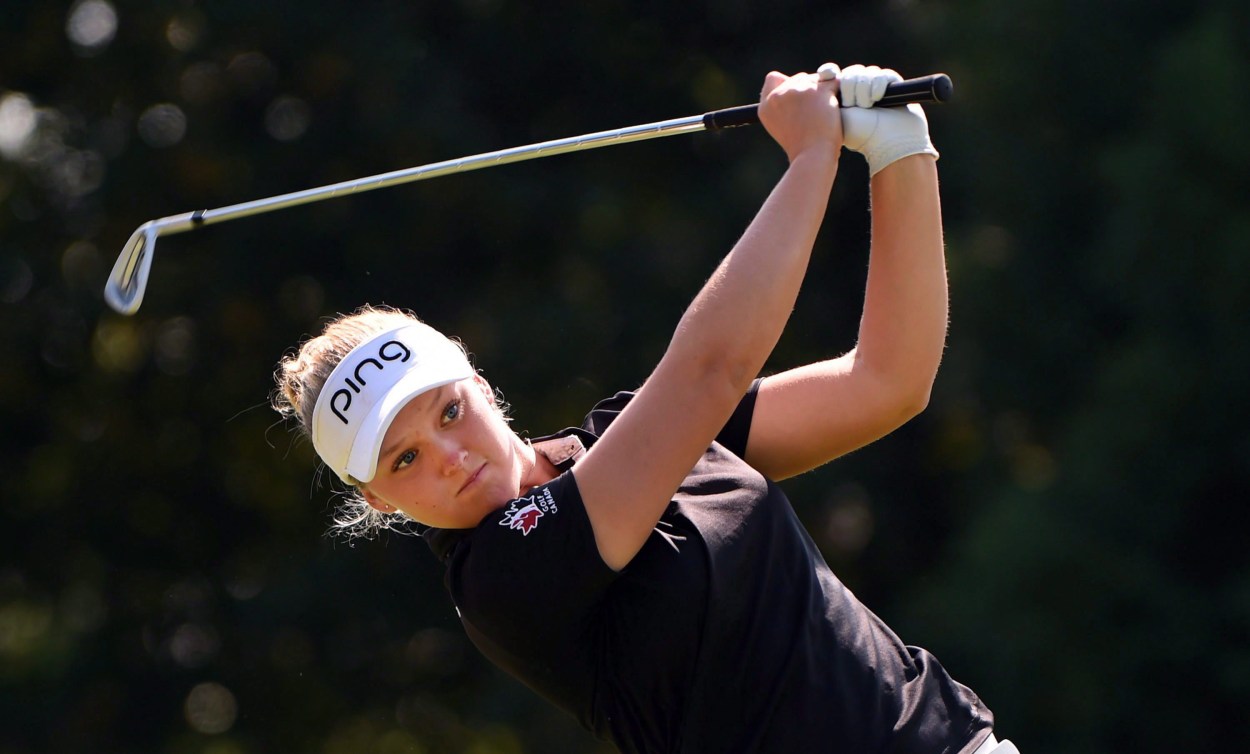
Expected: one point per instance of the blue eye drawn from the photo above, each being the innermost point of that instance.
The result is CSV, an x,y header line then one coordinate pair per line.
x,y
452,412
406,458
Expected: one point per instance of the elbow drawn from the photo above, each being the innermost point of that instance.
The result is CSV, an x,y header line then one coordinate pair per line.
x,y
902,395
913,390
896,408
715,366
715,378
728,377
912,402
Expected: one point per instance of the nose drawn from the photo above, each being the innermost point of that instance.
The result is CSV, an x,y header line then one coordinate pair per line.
x,y
452,457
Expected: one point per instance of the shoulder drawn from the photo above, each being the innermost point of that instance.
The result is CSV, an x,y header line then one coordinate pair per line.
x,y
532,561
521,515
541,535
606,411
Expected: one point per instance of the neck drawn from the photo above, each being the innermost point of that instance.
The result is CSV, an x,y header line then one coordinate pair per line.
x,y
538,467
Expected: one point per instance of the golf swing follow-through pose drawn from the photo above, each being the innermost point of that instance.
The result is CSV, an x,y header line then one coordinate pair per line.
x,y
674,601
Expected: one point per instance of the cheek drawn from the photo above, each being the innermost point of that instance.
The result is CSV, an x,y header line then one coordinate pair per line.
x,y
491,428
407,492
505,442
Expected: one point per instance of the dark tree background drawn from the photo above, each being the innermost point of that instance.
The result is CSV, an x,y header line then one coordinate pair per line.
x,y
1064,526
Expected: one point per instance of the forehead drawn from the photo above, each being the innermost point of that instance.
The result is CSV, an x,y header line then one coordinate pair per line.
x,y
423,404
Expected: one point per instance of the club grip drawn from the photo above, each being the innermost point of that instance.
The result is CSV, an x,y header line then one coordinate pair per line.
x,y
933,88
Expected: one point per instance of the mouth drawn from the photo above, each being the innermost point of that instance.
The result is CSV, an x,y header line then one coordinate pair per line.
x,y
472,479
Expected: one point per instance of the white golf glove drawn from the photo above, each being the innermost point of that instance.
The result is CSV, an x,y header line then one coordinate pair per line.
x,y
881,135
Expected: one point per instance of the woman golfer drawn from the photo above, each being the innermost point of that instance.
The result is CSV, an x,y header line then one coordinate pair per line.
x,y
644,572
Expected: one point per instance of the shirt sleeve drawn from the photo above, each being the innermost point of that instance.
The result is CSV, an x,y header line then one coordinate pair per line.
x,y
733,435
530,569
737,430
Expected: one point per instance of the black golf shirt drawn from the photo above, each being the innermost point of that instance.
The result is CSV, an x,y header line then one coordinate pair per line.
x,y
726,633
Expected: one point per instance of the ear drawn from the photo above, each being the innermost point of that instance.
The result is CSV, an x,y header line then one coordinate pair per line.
x,y
374,501
485,387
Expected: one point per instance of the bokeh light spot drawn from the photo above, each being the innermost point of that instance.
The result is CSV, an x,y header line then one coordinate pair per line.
x,y
76,172
712,87
175,346
118,346
17,124
201,83
193,645
286,118
91,25
435,651
22,626
162,125
184,30
210,708
849,525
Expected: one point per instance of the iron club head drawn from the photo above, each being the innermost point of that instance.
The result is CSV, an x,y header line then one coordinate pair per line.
x,y
129,278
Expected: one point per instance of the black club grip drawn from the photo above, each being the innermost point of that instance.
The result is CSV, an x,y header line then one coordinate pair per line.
x,y
934,88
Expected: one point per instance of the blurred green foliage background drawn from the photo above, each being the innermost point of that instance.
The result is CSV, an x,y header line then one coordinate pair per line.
x,y
1065,526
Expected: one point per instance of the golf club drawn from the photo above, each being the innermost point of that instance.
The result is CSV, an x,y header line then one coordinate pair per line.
x,y
129,278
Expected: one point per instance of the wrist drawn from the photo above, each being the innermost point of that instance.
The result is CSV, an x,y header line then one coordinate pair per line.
x,y
883,155
818,154
921,166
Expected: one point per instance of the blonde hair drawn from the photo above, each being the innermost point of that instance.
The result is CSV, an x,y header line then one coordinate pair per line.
x,y
301,375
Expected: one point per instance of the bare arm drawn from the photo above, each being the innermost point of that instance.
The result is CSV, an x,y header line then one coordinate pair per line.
x,y
810,415
723,339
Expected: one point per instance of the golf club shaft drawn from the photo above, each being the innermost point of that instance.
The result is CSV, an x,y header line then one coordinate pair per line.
x,y
192,220
128,280
924,89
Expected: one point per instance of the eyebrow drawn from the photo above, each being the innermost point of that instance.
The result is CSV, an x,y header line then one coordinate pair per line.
x,y
390,449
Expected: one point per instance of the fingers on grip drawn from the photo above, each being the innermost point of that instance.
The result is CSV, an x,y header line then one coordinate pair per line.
x,y
865,85
879,84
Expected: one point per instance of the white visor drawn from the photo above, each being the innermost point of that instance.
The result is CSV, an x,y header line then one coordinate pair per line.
x,y
369,387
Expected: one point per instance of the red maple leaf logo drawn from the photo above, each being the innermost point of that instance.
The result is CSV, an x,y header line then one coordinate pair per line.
x,y
524,519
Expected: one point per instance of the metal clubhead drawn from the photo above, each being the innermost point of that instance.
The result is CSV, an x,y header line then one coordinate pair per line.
x,y
129,278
